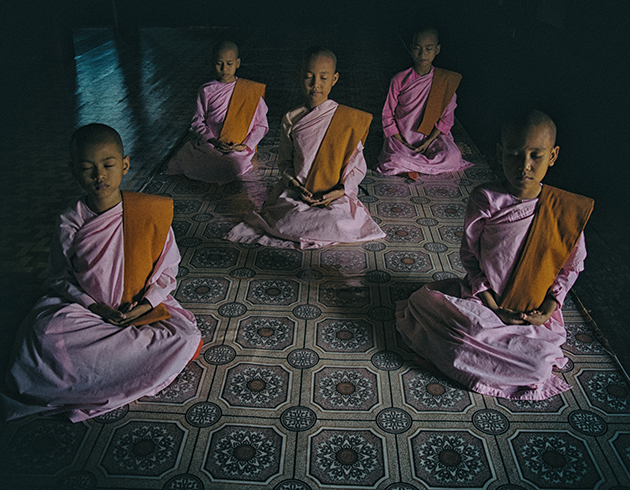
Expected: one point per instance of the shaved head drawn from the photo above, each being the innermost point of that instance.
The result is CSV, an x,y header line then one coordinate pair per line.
x,y
527,120
426,31
316,52
224,46
94,134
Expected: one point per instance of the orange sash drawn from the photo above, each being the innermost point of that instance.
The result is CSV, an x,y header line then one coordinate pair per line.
x,y
146,222
443,88
559,220
241,110
347,127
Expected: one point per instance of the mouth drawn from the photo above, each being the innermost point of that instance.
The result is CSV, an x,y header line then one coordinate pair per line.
x,y
101,187
522,178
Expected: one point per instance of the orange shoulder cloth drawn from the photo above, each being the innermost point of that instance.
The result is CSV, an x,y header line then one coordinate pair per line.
x,y
146,222
347,127
558,223
443,88
241,110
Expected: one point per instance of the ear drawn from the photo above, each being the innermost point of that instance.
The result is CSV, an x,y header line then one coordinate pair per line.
x,y
437,49
125,163
238,63
499,154
335,78
555,151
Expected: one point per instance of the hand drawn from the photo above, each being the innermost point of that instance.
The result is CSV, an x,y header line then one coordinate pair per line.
x,y
107,313
240,147
329,197
507,316
399,137
543,313
303,193
510,317
133,311
423,147
221,146
117,317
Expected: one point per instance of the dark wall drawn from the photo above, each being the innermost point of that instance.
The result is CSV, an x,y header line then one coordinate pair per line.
x,y
566,57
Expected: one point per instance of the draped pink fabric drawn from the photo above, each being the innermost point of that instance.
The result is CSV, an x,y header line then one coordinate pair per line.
x,y
402,113
68,359
446,323
198,159
287,222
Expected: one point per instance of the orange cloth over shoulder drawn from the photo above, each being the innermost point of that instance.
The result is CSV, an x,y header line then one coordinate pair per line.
x,y
558,223
146,222
347,127
443,87
241,110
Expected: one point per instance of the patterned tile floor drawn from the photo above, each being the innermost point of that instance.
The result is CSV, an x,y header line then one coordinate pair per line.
x,y
303,382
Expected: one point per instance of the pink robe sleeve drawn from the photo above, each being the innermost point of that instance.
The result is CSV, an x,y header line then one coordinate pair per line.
x,y
163,280
389,122
470,250
259,126
60,277
569,272
447,119
198,123
285,151
354,172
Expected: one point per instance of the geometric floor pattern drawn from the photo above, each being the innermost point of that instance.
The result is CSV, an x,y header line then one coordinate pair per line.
x,y
303,382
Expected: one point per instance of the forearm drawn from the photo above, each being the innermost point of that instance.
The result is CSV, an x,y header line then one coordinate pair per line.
x,y
433,136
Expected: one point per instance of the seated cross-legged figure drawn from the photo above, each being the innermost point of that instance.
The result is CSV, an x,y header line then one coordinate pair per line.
x,y
499,331
108,332
418,115
321,165
230,121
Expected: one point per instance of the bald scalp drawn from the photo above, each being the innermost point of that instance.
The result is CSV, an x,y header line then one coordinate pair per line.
x,y
527,120
91,135
222,46
428,31
315,52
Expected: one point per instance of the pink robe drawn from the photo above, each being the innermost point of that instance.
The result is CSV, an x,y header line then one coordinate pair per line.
x,y
287,222
447,324
68,359
402,113
199,160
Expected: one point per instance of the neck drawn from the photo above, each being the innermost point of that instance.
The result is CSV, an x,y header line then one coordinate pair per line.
x,y
311,105
99,206
529,193
422,70
226,81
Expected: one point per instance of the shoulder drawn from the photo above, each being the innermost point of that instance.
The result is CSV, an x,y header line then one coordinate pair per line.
x,y
291,117
354,116
488,196
250,84
566,196
147,200
209,86
73,217
447,75
399,79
